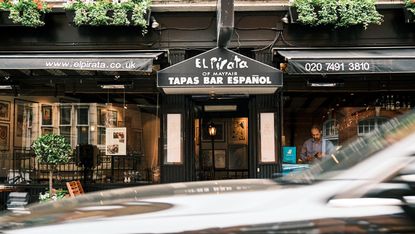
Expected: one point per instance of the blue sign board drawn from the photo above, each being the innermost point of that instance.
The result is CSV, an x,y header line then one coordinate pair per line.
x,y
289,154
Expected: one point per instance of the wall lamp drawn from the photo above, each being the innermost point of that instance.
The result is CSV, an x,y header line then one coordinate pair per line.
x,y
154,23
285,19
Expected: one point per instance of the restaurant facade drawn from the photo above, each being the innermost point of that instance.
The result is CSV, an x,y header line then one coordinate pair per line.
x,y
174,105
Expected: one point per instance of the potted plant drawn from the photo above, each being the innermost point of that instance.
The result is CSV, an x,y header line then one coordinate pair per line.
x,y
103,12
337,13
57,194
23,12
53,150
409,11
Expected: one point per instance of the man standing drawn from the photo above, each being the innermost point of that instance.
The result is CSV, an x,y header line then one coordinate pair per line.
x,y
313,147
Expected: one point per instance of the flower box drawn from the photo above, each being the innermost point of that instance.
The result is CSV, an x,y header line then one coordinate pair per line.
x,y
5,20
70,15
339,14
107,13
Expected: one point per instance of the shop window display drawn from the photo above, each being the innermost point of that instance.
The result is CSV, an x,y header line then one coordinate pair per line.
x,y
81,124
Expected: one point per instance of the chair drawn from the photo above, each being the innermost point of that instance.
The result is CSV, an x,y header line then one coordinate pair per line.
x,y
74,188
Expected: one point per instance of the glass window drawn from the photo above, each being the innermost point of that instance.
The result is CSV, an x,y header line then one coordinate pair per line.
x,y
66,132
65,115
330,135
83,135
101,136
330,128
367,125
83,115
101,116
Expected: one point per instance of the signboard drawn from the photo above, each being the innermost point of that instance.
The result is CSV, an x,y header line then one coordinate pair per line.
x,y
109,61
289,154
348,66
267,132
219,67
116,141
349,61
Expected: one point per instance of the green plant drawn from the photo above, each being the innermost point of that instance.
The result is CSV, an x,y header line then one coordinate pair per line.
x,y
102,12
56,195
53,150
26,12
410,6
339,13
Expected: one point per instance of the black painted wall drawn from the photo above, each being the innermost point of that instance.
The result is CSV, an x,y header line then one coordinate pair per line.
x,y
185,171
187,30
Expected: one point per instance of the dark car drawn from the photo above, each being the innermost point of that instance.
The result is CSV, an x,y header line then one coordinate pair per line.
x,y
367,186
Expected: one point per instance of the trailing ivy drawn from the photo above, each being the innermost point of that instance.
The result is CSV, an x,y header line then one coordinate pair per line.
x,y
26,12
338,13
102,12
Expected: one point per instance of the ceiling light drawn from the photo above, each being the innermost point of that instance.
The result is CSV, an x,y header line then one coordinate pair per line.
x,y
327,84
213,108
113,86
6,87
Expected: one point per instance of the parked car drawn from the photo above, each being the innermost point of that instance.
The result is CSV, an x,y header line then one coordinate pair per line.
x,y
367,186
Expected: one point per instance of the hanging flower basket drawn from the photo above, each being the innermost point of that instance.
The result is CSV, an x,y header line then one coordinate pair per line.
x,y
103,13
28,13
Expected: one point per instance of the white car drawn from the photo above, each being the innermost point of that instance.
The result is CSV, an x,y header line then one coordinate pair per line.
x,y
365,187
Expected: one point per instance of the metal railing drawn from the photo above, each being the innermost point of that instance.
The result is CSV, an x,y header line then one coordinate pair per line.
x,y
23,168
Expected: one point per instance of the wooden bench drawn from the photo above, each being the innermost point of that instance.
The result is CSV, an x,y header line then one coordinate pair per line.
x,y
74,188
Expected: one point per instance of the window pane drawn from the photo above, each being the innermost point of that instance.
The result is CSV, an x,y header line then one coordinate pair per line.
x,y
83,115
101,136
101,116
66,132
65,118
83,135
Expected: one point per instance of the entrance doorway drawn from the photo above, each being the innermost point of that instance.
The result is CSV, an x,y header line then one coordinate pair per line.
x,y
221,138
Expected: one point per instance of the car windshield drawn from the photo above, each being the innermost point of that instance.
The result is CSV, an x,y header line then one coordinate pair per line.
x,y
355,151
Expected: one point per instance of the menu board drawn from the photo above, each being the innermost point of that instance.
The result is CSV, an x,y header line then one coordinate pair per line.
x,y
116,141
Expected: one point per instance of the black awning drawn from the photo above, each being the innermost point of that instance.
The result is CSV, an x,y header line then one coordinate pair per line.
x,y
93,61
349,60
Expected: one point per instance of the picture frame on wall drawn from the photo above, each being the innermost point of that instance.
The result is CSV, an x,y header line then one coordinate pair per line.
x,y
4,110
220,159
220,132
4,136
238,134
47,115
206,159
238,157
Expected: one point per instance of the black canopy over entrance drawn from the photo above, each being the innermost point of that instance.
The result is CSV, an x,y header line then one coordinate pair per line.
x,y
219,71
349,60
